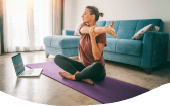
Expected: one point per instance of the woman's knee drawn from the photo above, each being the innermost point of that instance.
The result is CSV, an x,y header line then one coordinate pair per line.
x,y
57,57
98,65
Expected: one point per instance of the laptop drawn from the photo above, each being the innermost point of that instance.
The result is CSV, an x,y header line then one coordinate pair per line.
x,y
20,68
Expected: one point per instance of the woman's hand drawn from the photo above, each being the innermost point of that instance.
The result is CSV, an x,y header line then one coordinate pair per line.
x,y
110,30
91,32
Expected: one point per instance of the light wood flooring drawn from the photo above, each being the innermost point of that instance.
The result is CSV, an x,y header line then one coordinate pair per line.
x,y
48,91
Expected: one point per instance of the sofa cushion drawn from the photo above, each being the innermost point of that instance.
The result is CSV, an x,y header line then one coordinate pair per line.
x,y
101,23
125,29
67,32
115,26
47,40
111,44
76,33
62,41
145,22
124,46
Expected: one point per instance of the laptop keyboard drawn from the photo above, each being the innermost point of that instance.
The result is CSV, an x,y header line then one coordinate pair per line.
x,y
28,72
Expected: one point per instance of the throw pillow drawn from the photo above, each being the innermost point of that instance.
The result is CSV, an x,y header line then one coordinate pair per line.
x,y
155,28
140,33
76,33
150,27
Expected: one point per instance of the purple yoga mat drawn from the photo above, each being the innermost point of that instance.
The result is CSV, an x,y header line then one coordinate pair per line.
x,y
108,91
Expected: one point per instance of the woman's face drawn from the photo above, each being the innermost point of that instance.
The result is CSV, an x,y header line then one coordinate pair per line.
x,y
86,17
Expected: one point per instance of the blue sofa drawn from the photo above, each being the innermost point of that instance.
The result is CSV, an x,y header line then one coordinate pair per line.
x,y
147,53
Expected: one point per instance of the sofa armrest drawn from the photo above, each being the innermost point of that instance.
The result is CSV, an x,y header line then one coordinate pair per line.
x,y
155,49
68,32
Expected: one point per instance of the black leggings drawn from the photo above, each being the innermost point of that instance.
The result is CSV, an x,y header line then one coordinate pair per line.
x,y
96,71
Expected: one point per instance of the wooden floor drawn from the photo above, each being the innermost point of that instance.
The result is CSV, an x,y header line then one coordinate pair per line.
x,y
48,91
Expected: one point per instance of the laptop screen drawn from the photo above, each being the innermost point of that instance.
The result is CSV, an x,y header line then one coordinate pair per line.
x,y
17,62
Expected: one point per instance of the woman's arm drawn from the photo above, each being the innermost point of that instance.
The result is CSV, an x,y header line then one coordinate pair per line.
x,y
79,57
98,30
97,48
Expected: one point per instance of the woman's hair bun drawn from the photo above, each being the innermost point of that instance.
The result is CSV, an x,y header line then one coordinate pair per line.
x,y
101,14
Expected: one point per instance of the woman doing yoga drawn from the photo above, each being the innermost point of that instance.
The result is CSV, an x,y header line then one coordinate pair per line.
x,y
92,41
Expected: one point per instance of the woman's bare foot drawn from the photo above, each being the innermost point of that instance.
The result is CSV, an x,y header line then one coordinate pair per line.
x,y
67,76
72,77
85,80
88,81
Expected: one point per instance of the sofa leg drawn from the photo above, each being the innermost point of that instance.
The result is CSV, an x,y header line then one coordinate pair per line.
x,y
147,71
47,55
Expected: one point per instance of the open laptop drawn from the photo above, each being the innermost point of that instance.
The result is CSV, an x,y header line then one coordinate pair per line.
x,y
20,68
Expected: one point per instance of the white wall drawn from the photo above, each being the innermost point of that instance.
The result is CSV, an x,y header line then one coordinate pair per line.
x,y
121,10
68,14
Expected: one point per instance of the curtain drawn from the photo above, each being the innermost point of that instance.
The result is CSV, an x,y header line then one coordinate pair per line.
x,y
1,23
27,22
57,16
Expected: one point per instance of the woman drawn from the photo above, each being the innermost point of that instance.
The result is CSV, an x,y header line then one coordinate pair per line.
x,y
92,41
